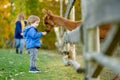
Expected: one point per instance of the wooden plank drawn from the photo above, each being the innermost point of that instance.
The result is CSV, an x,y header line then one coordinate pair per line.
x,y
69,7
108,62
110,44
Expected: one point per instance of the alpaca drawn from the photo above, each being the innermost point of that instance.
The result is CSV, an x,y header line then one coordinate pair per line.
x,y
50,20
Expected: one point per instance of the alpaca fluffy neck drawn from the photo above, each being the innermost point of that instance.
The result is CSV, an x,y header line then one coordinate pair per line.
x,y
68,24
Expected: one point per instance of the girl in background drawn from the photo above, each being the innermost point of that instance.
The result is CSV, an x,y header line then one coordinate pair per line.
x,y
19,27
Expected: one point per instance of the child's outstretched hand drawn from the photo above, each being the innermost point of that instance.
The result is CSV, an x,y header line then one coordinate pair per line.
x,y
21,34
44,33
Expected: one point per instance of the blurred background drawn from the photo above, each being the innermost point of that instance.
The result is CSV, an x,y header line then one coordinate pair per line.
x,y
9,9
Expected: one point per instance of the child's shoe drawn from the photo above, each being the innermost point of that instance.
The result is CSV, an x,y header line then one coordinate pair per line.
x,y
17,51
37,70
20,52
34,70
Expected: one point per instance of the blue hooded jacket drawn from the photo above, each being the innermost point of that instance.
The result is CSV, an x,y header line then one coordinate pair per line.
x,y
32,37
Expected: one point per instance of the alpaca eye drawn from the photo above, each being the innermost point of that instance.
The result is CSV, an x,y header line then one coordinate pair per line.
x,y
46,23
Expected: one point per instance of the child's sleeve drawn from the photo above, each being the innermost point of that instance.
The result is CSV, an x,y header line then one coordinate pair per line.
x,y
34,34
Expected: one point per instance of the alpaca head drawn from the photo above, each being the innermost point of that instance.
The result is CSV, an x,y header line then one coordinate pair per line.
x,y
48,21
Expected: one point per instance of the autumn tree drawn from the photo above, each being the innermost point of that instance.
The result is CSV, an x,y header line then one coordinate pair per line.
x,y
9,9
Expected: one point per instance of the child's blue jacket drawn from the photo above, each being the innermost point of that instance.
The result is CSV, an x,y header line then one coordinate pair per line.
x,y
32,37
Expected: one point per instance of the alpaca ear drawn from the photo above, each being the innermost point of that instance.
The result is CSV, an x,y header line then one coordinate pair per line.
x,y
47,12
44,11
50,12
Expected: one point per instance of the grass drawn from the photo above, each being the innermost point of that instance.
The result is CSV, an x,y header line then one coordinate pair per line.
x,y
16,66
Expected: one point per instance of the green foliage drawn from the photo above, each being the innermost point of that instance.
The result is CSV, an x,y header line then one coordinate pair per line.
x,y
77,10
31,7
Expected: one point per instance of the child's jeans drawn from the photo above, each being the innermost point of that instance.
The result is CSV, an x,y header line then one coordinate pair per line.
x,y
20,44
33,55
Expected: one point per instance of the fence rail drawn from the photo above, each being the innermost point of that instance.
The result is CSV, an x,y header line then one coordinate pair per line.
x,y
91,51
